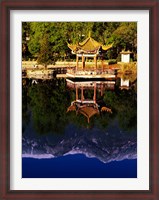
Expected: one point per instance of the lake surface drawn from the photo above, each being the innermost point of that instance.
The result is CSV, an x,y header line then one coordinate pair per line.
x,y
61,142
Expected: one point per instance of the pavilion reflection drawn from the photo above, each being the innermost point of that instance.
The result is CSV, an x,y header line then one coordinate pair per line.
x,y
89,106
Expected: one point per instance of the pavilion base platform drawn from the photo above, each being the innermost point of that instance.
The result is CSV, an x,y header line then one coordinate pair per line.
x,y
90,75
101,85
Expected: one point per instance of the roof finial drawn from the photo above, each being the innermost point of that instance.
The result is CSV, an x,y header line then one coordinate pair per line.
x,y
89,34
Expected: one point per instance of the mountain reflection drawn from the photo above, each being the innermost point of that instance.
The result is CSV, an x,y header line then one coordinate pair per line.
x,y
50,131
107,145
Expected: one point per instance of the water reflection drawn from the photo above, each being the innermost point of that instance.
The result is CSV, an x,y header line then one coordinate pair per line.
x,y
88,106
96,119
107,145
124,84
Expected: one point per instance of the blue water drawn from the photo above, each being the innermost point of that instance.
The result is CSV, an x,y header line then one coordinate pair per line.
x,y
48,129
78,166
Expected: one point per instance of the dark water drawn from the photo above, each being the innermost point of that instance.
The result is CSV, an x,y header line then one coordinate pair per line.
x,y
61,144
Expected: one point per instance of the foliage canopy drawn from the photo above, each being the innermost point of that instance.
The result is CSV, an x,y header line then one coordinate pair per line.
x,y
47,41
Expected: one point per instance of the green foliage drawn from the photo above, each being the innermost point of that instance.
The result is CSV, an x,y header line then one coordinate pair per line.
x,y
25,38
128,71
123,35
112,61
128,66
45,55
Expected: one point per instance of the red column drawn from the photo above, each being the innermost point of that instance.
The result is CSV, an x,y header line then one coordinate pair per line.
x,y
76,62
76,93
102,89
83,62
95,61
102,62
94,97
82,96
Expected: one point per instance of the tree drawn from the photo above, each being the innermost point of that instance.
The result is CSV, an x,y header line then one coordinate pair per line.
x,y
123,35
45,55
25,38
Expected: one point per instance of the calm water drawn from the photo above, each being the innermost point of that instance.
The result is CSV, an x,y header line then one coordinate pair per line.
x,y
59,141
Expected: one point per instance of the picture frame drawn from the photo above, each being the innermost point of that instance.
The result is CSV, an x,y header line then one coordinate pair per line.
x,y
6,7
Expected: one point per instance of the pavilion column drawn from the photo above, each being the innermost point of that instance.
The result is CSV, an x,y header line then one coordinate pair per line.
x,y
76,93
88,120
95,62
102,87
76,62
83,62
94,97
102,62
82,96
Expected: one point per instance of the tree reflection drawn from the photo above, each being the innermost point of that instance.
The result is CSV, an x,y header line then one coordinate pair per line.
x,y
49,100
25,103
124,103
48,103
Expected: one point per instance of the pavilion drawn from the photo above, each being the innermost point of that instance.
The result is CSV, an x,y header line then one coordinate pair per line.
x,y
86,107
89,48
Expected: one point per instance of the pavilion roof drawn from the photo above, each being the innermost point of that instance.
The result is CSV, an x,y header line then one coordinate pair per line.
x,y
89,45
125,52
71,108
106,109
87,111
